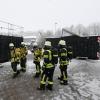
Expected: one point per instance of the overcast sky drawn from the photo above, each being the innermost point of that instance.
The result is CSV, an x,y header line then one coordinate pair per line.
x,y
42,14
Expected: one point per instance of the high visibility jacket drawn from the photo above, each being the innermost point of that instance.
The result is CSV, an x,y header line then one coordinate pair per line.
x,y
23,51
47,56
37,55
15,55
63,56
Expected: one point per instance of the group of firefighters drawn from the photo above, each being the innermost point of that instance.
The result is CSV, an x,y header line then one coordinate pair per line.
x,y
18,56
50,55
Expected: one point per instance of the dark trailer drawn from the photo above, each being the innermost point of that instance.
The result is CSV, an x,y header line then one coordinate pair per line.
x,y
4,46
83,47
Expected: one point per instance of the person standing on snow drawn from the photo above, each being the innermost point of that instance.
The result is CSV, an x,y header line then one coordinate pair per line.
x,y
63,61
15,59
37,58
47,68
24,52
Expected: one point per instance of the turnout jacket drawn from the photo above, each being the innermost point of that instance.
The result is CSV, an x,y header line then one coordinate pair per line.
x,y
50,58
15,55
23,51
63,58
37,55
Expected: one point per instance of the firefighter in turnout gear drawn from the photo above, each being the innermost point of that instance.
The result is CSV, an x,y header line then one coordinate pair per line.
x,y
47,68
63,61
23,51
14,58
37,58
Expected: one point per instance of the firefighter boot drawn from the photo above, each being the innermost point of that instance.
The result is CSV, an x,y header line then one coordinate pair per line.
x,y
60,77
64,82
18,72
42,87
23,70
49,87
14,75
37,75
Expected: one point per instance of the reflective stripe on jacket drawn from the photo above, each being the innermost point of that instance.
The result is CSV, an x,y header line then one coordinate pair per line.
x,y
63,57
47,56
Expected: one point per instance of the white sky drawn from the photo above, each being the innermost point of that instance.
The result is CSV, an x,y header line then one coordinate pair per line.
x,y
42,14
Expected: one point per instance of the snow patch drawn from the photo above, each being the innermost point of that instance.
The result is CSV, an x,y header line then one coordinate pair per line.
x,y
29,52
93,87
57,98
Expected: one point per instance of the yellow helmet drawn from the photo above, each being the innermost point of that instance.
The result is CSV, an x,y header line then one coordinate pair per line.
x,y
22,43
11,45
62,42
47,43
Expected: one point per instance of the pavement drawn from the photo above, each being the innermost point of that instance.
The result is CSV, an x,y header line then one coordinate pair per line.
x,y
83,76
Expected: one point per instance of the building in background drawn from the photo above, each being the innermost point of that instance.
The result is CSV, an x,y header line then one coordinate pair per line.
x,y
29,41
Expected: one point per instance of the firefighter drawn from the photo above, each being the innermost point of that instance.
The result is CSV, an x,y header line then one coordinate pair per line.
x,y
63,61
37,59
47,68
14,58
23,51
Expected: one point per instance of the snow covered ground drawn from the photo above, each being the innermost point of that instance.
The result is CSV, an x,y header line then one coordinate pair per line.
x,y
83,76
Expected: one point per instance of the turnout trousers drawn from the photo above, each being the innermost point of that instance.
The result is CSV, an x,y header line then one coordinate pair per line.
x,y
47,76
23,64
38,68
64,74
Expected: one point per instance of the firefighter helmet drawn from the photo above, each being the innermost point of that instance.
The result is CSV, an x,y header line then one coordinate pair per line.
x,y
22,43
62,42
11,45
47,43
